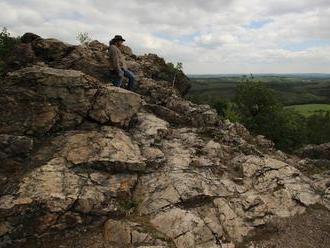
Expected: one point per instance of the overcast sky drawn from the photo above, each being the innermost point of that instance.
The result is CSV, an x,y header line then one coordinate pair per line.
x,y
208,36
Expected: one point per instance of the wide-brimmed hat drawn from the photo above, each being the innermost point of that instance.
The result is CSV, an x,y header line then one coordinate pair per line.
x,y
118,38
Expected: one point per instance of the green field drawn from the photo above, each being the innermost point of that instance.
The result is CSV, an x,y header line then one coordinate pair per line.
x,y
309,109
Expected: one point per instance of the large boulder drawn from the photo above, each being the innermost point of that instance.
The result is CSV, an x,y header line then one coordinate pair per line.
x,y
109,149
29,37
115,105
38,99
50,50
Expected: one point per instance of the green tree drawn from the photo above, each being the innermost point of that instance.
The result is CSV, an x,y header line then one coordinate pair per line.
x,y
318,127
261,111
254,98
285,127
177,69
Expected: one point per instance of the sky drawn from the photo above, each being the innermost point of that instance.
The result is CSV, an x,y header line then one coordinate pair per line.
x,y
207,36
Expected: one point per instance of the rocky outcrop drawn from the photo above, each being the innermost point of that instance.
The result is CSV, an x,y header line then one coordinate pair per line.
x,y
45,98
15,147
213,203
91,59
86,164
164,102
315,151
90,172
131,234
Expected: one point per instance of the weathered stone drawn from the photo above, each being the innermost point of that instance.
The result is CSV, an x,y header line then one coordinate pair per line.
x,y
149,129
40,95
322,183
213,149
234,226
118,185
185,228
115,105
4,228
128,234
50,49
21,55
167,114
45,98
261,141
154,156
321,151
52,184
30,117
29,37
77,178
155,192
117,232
17,147
110,149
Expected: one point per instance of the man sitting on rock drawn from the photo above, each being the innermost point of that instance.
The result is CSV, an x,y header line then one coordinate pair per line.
x,y
118,66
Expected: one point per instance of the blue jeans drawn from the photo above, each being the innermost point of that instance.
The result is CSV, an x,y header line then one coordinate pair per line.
x,y
131,79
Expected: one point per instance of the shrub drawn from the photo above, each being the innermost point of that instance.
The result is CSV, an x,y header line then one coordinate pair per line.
x,y
83,38
226,109
7,43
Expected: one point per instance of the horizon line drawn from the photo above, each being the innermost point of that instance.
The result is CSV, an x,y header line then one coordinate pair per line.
x,y
259,73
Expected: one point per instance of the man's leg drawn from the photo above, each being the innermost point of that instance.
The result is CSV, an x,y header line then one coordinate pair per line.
x,y
118,82
131,78
116,79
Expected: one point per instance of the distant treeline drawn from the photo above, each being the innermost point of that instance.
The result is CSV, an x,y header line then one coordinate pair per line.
x,y
291,90
260,108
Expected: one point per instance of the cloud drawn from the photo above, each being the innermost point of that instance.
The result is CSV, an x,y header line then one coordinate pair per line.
x,y
212,41
208,36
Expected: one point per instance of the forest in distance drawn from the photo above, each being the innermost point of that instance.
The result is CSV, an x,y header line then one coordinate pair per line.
x,y
292,110
292,89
